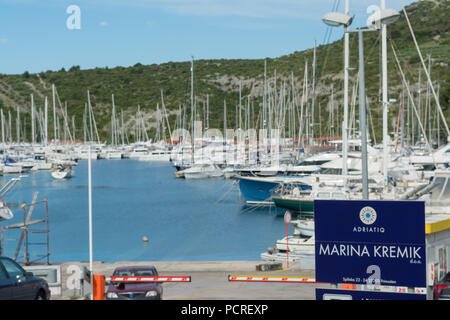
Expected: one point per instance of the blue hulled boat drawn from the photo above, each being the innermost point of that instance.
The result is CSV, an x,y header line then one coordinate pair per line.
x,y
258,190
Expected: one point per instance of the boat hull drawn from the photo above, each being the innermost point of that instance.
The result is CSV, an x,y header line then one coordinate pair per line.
x,y
305,207
5,213
258,191
155,158
62,174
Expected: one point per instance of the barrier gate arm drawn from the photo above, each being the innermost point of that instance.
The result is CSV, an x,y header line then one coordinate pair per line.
x,y
271,279
143,279
282,279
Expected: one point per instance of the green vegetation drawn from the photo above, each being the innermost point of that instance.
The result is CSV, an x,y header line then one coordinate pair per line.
x,y
142,84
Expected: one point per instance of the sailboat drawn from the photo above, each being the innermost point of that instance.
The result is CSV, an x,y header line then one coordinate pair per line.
x,y
62,172
5,212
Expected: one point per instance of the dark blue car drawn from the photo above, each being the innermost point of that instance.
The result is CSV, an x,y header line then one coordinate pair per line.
x,y
17,284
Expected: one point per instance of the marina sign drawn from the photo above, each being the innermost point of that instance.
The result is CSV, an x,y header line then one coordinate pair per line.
x,y
370,242
335,294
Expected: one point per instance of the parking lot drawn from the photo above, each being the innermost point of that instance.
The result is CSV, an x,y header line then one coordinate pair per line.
x,y
209,281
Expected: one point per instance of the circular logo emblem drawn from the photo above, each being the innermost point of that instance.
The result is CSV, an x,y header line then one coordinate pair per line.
x,y
368,215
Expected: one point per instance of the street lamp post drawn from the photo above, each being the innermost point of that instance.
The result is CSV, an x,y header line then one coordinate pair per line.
x,y
362,118
382,17
336,19
384,96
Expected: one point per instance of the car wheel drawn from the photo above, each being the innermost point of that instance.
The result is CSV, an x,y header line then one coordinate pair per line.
x,y
41,295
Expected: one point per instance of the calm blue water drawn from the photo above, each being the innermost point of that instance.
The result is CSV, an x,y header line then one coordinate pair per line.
x,y
184,220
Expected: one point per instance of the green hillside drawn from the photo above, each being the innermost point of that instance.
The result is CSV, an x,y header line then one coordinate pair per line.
x,y
220,79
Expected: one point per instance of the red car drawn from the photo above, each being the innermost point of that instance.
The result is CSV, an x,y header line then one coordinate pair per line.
x,y
135,291
442,288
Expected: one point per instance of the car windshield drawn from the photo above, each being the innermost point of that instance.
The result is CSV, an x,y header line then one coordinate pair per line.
x,y
12,268
134,273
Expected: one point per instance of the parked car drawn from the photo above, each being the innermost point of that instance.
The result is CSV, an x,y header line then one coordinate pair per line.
x,y
442,288
134,291
18,284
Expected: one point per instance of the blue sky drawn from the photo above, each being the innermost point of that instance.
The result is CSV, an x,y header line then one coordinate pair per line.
x,y
34,36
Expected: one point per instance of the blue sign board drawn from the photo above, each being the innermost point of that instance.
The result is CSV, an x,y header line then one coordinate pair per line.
x,y
370,242
336,294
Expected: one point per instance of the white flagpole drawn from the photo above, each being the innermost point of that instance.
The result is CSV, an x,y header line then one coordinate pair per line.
x,y
90,223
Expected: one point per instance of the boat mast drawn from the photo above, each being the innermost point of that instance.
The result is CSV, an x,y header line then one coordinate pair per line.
x,y
207,111
313,98
90,117
428,100
85,123
123,128
385,96
73,128
113,121
66,127
33,138
18,125
54,112
3,127
46,121
224,127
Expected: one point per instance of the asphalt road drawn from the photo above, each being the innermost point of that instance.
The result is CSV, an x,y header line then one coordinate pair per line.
x,y
209,281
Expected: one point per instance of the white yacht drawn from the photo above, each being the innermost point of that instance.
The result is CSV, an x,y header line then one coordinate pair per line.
x,y
112,153
156,156
202,171
138,151
5,212
83,154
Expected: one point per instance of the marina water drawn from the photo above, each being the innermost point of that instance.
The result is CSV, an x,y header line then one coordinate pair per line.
x,y
184,220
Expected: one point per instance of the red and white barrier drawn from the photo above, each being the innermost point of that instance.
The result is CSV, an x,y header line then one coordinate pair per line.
x,y
142,279
271,279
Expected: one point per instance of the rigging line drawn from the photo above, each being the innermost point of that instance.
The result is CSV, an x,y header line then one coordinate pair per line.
x,y
256,206
426,73
329,29
225,194
411,98
334,8
253,208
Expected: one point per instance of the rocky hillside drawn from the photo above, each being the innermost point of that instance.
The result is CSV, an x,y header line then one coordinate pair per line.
x,y
220,79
